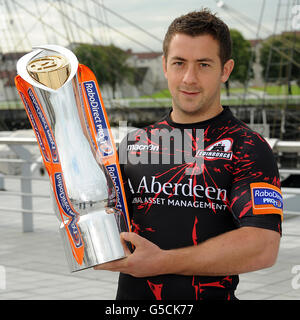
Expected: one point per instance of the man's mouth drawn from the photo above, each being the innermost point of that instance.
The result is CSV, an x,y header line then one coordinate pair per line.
x,y
190,93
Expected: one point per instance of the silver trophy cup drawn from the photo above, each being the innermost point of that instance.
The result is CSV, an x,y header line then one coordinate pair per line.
x,y
83,192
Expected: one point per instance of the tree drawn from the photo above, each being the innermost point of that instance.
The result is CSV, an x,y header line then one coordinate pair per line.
x,y
242,56
109,63
277,57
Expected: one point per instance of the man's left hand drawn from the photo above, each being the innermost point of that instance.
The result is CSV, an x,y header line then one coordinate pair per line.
x,y
146,260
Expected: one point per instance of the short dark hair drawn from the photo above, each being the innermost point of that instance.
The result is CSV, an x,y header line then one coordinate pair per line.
x,y
198,23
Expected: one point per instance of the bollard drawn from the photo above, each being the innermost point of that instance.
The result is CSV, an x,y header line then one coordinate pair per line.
x,y
2,182
26,187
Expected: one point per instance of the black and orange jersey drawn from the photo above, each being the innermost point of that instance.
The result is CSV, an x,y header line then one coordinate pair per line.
x,y
186,183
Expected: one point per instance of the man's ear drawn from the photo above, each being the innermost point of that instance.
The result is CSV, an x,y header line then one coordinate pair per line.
x,y
164,65
227,69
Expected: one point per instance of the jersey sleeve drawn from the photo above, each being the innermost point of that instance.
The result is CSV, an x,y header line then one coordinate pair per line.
x,y
255,197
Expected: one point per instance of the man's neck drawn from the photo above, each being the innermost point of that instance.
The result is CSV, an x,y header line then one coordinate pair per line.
x,y
179,116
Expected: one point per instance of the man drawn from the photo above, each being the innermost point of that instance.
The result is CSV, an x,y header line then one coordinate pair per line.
x,y
194,233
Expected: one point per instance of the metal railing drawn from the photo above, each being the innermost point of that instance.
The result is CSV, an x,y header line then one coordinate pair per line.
x,y
252,98
24,160
28,165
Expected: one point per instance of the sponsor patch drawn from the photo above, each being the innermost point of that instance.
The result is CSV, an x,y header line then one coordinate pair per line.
x,y
218,150
266,199
139,147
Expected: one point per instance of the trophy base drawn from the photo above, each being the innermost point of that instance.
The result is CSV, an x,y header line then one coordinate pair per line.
x,y
101,239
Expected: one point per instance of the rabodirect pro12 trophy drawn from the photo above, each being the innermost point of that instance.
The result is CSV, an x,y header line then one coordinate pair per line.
x,y
66,111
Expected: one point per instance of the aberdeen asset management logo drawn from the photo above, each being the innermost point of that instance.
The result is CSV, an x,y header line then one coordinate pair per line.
x,y
218,150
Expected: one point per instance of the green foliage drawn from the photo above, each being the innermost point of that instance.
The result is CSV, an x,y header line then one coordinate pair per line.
x,y
109,63
162,94
241,54
280,90
280,69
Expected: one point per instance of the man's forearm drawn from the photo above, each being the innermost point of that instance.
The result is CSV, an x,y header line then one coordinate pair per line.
x,y
238,251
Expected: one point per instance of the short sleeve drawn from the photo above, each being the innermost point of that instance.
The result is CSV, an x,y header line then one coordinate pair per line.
x,y
255,196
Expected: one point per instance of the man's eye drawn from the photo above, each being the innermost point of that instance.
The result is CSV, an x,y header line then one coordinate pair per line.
x,y
178,63
204,65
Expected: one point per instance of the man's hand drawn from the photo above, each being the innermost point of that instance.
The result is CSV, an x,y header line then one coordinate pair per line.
x,y
146,260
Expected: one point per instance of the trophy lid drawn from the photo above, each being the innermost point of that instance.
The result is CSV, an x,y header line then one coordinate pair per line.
x,y
48,67
51,71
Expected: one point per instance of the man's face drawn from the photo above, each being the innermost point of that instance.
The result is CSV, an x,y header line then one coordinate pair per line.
x,y
194,73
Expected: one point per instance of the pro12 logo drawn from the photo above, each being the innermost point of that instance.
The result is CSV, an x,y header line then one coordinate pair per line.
x,y
266,199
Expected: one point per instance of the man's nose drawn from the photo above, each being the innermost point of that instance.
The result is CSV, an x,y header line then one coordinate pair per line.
x,y
190,76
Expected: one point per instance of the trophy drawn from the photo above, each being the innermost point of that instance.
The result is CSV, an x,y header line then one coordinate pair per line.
x,y
66,111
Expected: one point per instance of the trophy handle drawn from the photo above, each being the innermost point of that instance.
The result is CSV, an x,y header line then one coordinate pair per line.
x,y
96,127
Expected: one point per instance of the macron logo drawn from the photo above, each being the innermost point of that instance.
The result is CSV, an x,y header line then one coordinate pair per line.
x,y
140,147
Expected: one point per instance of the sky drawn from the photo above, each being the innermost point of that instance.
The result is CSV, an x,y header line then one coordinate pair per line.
x,y
26,23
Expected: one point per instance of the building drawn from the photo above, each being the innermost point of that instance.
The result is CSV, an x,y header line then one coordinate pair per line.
x,y
149,76
257,81
8,62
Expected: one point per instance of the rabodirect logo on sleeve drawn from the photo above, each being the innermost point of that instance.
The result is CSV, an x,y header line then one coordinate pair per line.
x,y
266,199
